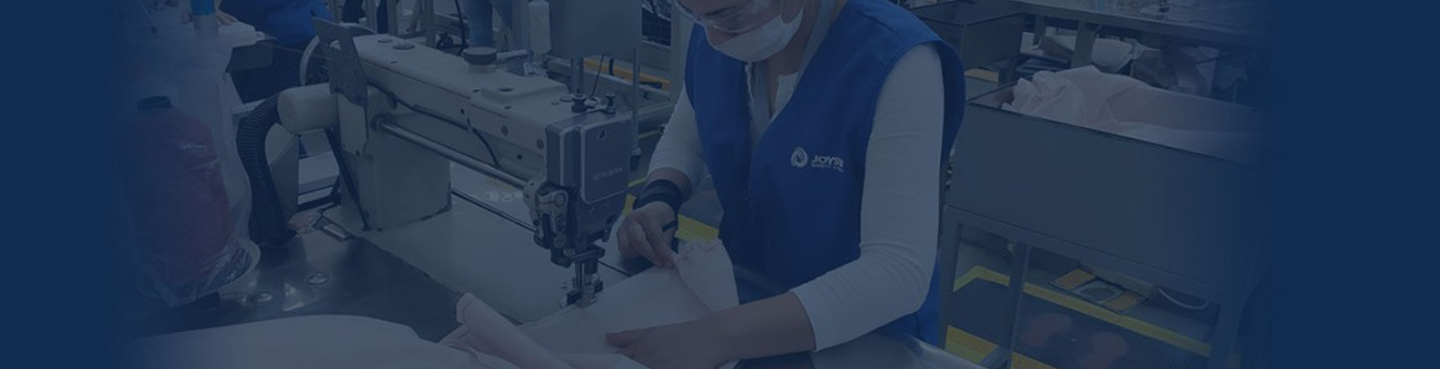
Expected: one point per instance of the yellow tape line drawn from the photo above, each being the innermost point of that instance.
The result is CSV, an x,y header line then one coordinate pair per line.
x,y
1138,326
974,349
967,346
984,75
625,73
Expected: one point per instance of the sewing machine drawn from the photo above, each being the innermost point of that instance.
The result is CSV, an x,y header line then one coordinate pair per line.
x,y
397,114
408,233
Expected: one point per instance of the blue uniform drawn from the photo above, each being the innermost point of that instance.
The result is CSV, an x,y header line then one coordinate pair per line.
x,y
289,21
792,209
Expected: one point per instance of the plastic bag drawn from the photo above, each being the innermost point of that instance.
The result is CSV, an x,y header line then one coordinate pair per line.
x,y
184,184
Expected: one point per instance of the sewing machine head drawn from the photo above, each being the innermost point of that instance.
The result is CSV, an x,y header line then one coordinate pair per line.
x,y
404,112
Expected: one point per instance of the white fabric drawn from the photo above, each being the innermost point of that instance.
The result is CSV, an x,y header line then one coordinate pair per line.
x,y
310,342
1079,96
343,342
1125,106
483,331
702,284
900,216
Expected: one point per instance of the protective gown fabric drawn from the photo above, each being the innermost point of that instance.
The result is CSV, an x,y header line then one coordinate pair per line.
x,y
701,284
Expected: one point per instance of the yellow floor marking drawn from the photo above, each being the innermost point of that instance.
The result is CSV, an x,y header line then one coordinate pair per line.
x,y
984,75
1097,312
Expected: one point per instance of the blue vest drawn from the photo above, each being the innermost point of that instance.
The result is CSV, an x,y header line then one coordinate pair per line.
x,y
286,20
792,211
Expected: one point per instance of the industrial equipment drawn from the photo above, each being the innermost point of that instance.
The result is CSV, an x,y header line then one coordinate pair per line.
x,y
398,113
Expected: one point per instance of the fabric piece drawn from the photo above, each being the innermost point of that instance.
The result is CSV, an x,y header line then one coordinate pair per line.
x,y
484,331
1080,96
701,284
1049,97
1125,106
309,342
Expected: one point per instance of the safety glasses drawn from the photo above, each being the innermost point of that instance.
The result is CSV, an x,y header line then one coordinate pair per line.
x,y
734,19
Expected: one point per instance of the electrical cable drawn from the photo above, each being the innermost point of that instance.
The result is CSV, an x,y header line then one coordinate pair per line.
x,y
1173,300
460,15
596,85
494,159
305,60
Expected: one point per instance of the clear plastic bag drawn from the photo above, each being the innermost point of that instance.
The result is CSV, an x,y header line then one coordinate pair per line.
x,y
188,200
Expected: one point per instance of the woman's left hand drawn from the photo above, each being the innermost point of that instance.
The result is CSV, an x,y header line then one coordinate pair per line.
x,y
690,345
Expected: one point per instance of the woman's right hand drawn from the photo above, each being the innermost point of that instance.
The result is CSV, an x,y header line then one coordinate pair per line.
x,y
643,234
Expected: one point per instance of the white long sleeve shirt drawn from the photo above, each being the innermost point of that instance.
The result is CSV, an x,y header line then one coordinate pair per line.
x,y
900,207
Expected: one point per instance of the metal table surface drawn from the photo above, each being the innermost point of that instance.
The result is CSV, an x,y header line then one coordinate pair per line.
x,y
317,274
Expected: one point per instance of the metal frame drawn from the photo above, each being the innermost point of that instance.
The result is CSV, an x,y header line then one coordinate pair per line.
x,y
1021,204
983,35
1090,21
1212,35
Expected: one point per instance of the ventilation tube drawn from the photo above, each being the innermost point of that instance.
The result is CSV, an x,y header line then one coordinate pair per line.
x,y
269,228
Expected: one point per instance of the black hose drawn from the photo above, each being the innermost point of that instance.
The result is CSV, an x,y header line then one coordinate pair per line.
x,y
268,226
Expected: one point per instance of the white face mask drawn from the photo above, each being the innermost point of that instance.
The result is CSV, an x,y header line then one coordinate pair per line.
x,y
761,43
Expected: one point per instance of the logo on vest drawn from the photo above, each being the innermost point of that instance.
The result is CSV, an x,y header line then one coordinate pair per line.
x,y
801,159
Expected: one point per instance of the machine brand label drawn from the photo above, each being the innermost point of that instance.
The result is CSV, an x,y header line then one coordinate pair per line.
x,y
607,173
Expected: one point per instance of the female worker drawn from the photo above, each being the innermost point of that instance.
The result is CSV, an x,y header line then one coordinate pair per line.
x,y
823,124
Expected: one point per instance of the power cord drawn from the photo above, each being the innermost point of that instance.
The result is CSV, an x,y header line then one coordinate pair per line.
x,y
596,85
465,38
494,159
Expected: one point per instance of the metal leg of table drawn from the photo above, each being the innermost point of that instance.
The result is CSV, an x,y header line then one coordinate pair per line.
x,y
949,255
1227,327
1020,261
425,16
393,17
368,6
1085,35
1009,72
